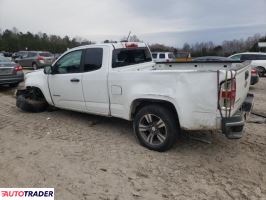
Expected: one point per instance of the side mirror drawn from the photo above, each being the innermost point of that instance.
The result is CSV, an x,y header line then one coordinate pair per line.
x,y
47,70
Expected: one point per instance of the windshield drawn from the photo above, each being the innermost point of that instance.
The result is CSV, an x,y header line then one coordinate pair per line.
x,y
46,54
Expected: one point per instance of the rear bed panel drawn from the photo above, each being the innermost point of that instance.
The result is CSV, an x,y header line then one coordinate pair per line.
x,y
192,90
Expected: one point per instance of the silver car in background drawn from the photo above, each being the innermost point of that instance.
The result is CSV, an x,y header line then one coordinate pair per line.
x,y
35,59
10,73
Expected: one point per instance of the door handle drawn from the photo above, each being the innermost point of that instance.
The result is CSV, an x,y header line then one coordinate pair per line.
x,y
246,75
75,80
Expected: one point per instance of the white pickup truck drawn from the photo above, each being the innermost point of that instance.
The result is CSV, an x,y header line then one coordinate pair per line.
x,y
121,80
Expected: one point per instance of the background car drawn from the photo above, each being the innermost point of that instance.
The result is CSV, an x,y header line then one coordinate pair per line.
x,y
183,57
258,60
10,73
163,57
254,72
19,54
212,58
35,59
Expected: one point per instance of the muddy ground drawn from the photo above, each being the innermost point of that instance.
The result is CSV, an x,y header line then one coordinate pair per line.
x,y
88,157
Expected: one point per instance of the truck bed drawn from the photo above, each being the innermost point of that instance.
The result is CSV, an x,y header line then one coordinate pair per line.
x,y
193,90
201,65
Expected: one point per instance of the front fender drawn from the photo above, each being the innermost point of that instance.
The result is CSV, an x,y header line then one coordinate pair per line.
x,y
39,80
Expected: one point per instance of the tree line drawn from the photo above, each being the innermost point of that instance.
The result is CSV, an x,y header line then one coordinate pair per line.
x,y
14,40
228,47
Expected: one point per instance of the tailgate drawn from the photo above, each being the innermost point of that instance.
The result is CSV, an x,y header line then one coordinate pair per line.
x,y
243,76
238,79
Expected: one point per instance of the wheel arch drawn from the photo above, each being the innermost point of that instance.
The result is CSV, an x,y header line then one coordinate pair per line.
x,y
38,90
261,66
137,104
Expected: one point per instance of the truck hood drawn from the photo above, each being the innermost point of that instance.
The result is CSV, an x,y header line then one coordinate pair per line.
x,y
34,73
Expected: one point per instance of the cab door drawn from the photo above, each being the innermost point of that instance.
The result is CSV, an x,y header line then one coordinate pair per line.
x,y
66,82
94,80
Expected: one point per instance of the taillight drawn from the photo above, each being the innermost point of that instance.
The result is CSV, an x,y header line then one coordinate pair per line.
x,y
228,94
254,72
40,58
18,68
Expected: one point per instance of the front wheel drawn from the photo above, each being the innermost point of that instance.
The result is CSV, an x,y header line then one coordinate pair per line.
x,y
30,105
156,127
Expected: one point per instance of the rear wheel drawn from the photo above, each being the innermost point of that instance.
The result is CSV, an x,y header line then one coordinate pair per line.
x,y
261,71
156,127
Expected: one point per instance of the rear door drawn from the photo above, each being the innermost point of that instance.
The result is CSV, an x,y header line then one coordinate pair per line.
x,y
22,60
94,80
66,84
28,61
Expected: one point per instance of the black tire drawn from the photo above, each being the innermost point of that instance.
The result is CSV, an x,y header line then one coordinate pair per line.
x,y
30,105
261,71
34,66
169,131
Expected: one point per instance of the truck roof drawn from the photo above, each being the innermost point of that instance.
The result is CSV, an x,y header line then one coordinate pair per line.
x,y
118,45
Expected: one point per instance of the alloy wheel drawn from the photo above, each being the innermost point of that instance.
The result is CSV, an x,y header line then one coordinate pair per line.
x,y
153,129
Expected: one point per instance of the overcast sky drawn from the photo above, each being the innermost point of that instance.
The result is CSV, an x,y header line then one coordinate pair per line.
x,y
172,22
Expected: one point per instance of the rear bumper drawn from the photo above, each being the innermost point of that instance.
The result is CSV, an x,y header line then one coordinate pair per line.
x,y
11,79
254,80
233,127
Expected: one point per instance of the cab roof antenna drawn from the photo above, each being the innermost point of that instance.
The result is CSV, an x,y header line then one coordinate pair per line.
x,y
128,35
126,40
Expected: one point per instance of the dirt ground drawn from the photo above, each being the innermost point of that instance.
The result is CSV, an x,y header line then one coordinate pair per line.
x,y
88,157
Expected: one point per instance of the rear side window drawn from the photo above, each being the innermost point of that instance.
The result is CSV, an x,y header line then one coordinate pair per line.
x,y
154,55
162,55
32,54
93,59
248,57
125,57
260,57
46,54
